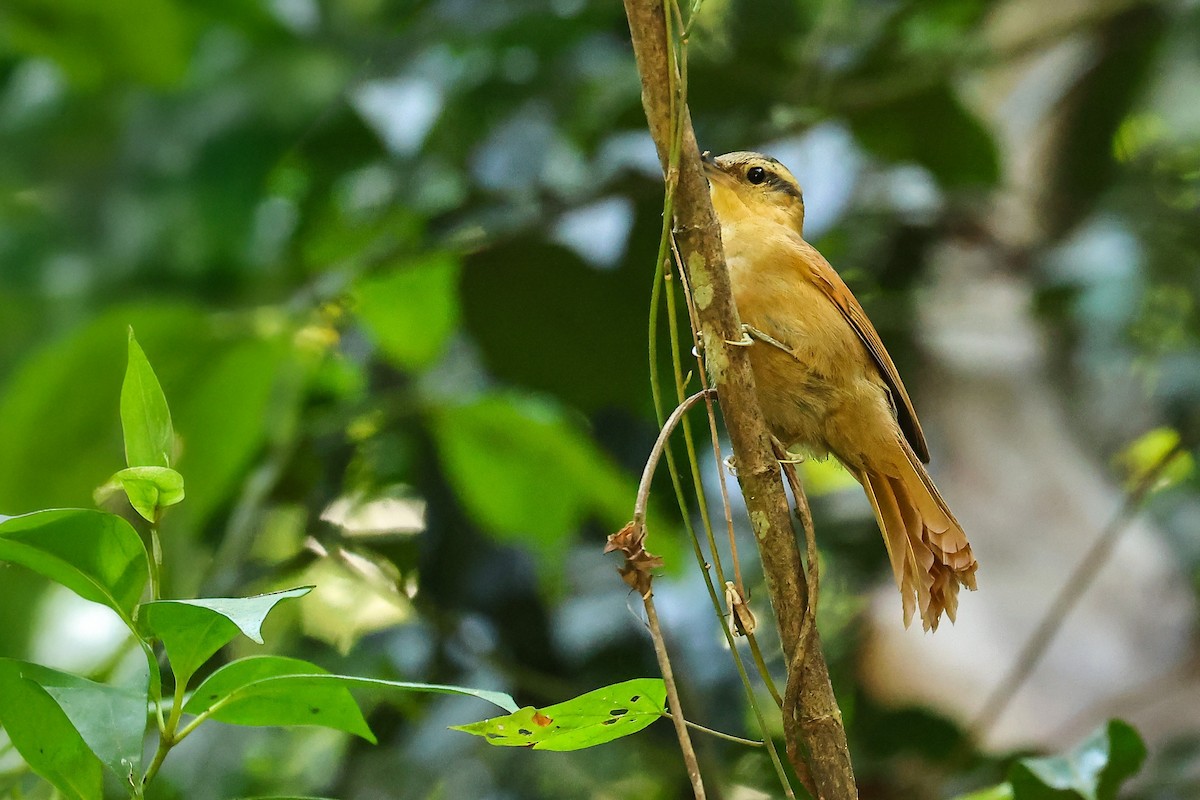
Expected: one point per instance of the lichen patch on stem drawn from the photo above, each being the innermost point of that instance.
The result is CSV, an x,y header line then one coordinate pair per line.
x,y
761,524
702,289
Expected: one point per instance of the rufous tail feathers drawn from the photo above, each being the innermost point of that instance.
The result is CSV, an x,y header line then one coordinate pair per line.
x,y
930,554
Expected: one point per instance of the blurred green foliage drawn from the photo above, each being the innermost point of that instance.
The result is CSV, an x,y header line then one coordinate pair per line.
x,y
400,252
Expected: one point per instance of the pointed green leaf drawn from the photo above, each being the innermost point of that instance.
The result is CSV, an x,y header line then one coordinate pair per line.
x,y
111,719
272,690
1093,771
263,690
411,311
495,698
594,718
145,418
98,556
44,736
193,630
150,488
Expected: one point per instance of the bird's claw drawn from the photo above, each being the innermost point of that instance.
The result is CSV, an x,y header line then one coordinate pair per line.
x,y
745,341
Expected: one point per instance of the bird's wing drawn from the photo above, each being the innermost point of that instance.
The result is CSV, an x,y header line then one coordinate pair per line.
x,y
827,279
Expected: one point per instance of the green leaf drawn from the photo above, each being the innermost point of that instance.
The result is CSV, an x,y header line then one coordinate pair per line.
x,y
98,556
495,698
231,390
1146,453
273,690
150,488
44,736
111,720
147,41
1003,791
412,311
145,418
934,130
267,690
1093,771
523,471
594,718
193,630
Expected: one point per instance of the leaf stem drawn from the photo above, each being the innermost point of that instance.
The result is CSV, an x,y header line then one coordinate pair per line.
x,y
156,563
729,737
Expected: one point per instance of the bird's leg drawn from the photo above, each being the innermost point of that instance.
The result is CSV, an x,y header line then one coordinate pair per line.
x,y
783,455
749,332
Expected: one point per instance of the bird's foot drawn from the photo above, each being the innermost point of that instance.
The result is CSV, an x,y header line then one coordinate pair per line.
x,y
783,455
752,332
745,341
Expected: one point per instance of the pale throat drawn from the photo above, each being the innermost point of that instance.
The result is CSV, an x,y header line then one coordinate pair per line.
x,y
734,211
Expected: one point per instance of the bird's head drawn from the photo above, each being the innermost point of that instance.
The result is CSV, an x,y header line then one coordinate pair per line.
x,y
753,186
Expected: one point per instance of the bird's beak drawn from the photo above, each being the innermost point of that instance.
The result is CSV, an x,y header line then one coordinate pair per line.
x,y
716,176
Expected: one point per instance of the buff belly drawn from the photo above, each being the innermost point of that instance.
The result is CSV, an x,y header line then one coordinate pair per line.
x,y
818,396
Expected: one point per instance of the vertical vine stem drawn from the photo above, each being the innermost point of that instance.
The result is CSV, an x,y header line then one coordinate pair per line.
x,y
634,547
681,731
813,722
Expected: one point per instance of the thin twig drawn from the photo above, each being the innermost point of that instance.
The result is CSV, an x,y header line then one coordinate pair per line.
x,y
643,495
718,460
729,737
791,695
1077,584
681,731
761,663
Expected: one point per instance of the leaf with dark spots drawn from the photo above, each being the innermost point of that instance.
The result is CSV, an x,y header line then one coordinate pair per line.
x,y
594,718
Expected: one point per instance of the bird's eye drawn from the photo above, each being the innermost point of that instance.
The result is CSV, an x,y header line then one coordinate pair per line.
x,y
756,175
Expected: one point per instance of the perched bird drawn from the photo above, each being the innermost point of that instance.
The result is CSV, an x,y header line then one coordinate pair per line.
x,y
825,381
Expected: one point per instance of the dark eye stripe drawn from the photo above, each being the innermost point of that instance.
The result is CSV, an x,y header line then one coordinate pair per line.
x,y
781,185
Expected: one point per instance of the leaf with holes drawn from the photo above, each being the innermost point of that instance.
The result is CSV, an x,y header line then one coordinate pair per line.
x,y
192,630
98,556
594,718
